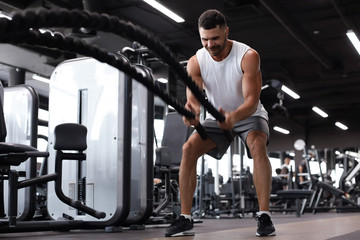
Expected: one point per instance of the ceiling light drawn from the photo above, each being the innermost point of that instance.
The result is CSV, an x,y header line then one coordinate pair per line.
x,y
354,39
162,80
320,112
5,15
290,92
265,87
282,130
165,11
342,126
39,78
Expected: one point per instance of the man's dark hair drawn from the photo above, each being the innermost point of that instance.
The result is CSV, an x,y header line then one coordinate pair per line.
x,y
210,19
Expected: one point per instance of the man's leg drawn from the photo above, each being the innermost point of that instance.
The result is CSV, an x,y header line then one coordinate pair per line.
x,y
194,148
256,141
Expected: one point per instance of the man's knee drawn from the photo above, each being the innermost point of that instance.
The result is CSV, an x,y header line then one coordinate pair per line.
x,y
190,149
195,148
187,148
257,143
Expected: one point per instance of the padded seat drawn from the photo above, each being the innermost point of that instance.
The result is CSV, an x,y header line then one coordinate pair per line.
x,y
296,194
14,154
70,136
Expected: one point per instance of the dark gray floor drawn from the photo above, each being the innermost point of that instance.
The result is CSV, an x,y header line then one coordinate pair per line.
x,y
229,228
349,236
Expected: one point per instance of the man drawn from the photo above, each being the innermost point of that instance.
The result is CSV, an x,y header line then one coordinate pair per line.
x,y
303,170
229,72
285,169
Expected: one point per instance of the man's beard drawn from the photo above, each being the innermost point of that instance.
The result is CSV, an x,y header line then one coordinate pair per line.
x,y
216,50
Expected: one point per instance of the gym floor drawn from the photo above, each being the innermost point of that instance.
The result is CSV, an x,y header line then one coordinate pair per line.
x,y
334,226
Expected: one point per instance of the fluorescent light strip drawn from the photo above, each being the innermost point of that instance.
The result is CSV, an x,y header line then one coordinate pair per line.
x,y
290,92
282,130
162,80
341,126
41,79
265,87
3,15
354,39
320,112
165,11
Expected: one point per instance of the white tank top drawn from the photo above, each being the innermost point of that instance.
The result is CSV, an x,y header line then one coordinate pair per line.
x,y
223,80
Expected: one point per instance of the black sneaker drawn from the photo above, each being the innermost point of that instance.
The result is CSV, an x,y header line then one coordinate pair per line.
x,y
265,226
180,227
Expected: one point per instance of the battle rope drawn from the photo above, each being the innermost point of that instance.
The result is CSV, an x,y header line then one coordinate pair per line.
x,y
22,21
58,41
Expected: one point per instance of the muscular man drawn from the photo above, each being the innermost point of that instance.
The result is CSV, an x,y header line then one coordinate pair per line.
x,y
229,71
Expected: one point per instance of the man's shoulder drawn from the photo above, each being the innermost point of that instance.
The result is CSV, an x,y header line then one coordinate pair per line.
x,y
201,55
200,51
241,44
193,60
193,67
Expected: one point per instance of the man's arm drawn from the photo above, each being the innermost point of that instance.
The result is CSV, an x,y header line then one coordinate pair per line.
x,y
251,87
192,103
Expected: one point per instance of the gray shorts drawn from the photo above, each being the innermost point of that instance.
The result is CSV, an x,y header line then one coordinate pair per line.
x,y
241,129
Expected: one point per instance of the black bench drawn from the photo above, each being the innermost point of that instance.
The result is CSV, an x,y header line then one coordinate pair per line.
x,y
296,194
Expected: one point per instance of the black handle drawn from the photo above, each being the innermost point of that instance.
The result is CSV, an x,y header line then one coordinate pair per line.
x,y
78,205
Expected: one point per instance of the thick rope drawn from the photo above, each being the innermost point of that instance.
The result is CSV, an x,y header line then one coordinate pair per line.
x,y
22,21
58,41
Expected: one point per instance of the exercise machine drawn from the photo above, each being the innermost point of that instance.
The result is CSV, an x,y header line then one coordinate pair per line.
x,y
113,108
20,104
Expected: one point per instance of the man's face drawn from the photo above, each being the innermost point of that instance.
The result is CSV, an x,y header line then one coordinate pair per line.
x,y
214,40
